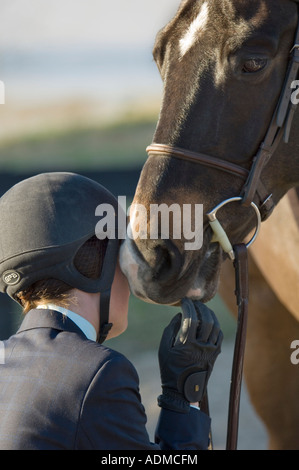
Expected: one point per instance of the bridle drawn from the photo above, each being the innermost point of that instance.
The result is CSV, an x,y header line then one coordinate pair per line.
x,y
279,128
253,189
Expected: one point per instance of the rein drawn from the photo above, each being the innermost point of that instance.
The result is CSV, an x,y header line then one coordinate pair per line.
x,y
279,129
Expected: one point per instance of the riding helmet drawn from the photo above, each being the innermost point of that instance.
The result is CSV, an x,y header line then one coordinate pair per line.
x,y
45,220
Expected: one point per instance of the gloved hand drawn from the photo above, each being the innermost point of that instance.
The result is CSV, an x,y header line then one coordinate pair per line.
x,y
188,349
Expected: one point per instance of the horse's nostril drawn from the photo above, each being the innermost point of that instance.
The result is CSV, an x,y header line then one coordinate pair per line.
x,y
167,263
163,265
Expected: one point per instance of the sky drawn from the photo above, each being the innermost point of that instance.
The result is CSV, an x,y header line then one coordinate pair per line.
x,y
35,23
55,51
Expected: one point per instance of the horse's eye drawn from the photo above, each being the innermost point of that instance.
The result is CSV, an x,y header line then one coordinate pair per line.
x,y
254,65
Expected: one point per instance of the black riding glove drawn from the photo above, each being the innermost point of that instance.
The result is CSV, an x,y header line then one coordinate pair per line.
x,y
189,347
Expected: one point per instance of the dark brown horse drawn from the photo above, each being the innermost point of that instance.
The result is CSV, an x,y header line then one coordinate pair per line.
x,y
224,63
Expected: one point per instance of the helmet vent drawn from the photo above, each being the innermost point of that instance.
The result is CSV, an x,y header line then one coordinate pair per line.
x,y
90,256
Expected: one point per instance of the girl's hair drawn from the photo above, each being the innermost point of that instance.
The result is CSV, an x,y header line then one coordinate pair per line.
x,y
88,260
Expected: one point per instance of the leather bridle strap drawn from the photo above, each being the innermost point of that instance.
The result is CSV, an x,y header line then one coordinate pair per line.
x,y
196,157
266,205
241,271
242,296
280,126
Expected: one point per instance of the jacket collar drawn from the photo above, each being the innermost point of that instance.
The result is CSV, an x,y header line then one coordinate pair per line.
x,y
41,318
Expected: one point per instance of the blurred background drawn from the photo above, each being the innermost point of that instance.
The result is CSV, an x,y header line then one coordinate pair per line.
x,y
82,94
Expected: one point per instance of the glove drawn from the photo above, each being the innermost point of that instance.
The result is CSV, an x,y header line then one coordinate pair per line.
x,y
188,349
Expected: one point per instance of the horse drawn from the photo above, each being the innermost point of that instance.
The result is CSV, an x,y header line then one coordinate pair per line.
x,y
224,65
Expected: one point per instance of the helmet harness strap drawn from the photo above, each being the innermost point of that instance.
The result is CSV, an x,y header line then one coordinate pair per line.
x,y
105,326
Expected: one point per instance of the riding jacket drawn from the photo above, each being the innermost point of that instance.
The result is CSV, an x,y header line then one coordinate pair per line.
x,y
61,390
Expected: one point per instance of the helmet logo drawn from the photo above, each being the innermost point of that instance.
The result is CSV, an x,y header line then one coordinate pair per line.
x,y
11,277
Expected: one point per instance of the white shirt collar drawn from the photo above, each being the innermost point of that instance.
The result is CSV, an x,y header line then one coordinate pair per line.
x,y
84,325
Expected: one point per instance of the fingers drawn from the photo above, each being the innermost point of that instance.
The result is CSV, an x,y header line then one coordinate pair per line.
x,y
207,321
171,331
209,329
198,322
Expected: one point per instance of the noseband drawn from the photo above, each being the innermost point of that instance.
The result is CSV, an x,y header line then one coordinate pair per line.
x,y
279,128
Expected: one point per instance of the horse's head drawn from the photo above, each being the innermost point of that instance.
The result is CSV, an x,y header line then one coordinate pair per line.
x,y
223,63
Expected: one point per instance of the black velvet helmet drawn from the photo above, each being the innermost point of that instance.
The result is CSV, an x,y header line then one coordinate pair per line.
x,y
45,220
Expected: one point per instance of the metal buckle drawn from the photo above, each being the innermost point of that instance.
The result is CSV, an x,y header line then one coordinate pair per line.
x,y
220,235
296,46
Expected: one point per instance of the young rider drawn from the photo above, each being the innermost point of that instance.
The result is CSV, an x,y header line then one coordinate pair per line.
x,y
60,387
